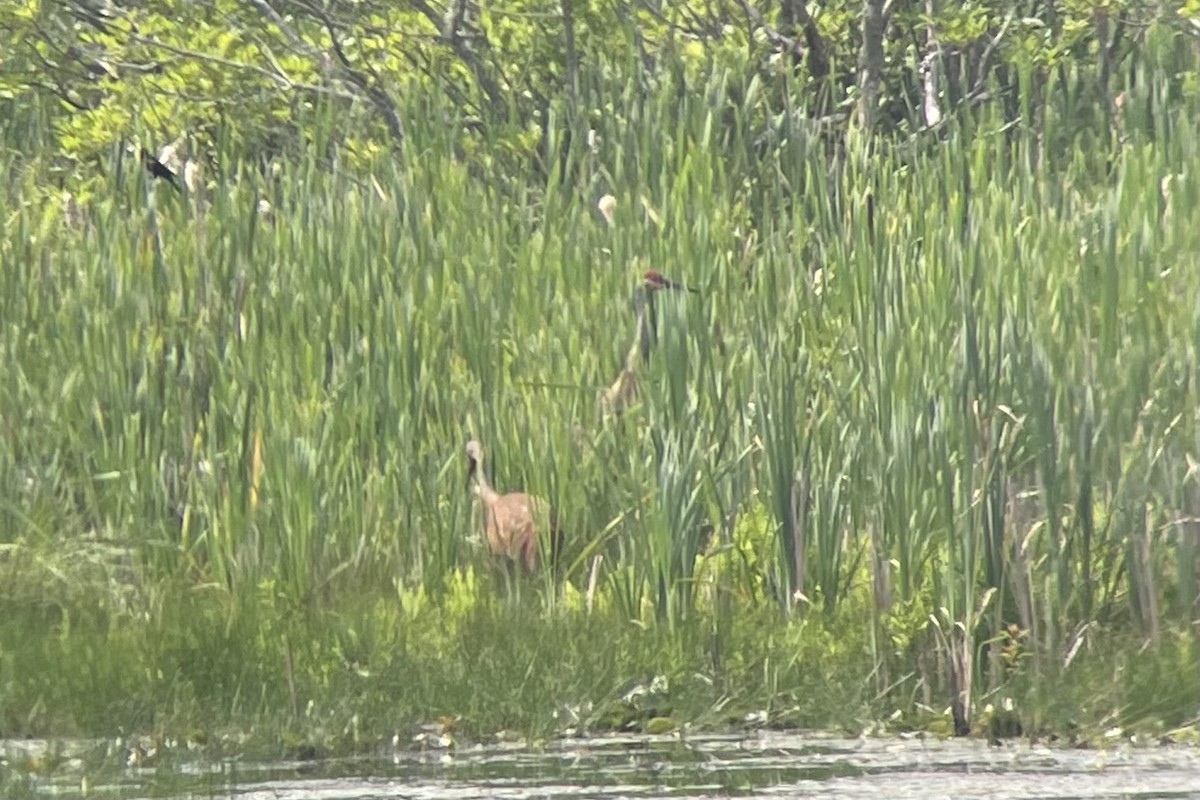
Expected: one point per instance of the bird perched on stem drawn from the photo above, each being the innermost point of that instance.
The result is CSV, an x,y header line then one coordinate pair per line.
x,y
512,521
160,170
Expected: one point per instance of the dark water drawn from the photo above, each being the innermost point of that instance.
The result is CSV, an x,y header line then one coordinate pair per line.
x,y
763,765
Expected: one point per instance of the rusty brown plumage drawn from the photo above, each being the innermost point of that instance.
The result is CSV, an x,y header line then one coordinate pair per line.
x,y
512,521
654,280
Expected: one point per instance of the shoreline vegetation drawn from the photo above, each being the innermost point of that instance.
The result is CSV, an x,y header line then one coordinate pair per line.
x,y
919,454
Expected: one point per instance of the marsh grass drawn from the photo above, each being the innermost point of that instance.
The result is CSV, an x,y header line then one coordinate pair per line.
x,y
231,454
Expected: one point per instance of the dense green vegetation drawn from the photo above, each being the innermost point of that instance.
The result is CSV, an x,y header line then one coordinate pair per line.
x,y
924,445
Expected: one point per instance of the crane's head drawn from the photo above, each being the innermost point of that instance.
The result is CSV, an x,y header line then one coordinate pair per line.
x,y
654,280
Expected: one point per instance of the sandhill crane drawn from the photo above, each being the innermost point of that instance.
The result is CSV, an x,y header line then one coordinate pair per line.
x,y
623,390
511,521
653,281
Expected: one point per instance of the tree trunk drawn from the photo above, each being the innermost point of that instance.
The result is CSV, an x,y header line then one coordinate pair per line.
x,y
870,62
795,20
931,68
572,56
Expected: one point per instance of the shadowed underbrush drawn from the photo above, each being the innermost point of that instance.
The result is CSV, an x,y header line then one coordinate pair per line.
x,y
196,667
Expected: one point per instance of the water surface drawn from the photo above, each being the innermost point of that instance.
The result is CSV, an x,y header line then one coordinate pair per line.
x,y
765,764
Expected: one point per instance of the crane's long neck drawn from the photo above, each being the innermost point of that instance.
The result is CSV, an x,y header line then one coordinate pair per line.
x,y
643,339
483,488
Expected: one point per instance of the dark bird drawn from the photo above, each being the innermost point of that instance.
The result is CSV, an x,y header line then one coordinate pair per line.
x,y
160,170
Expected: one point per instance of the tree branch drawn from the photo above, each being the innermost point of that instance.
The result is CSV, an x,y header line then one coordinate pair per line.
x,y
454,39
345,70
276,75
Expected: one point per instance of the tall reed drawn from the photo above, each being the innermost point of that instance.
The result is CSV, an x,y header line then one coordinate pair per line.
x,y
980,389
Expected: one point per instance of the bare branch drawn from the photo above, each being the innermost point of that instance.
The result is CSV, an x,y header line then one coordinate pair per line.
x,y
63,94
379,98
487,84
817,61
981,75
276,75
297,41
773,36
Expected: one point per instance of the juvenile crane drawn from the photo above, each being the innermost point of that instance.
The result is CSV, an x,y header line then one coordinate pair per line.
x,y
511,521
624,389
